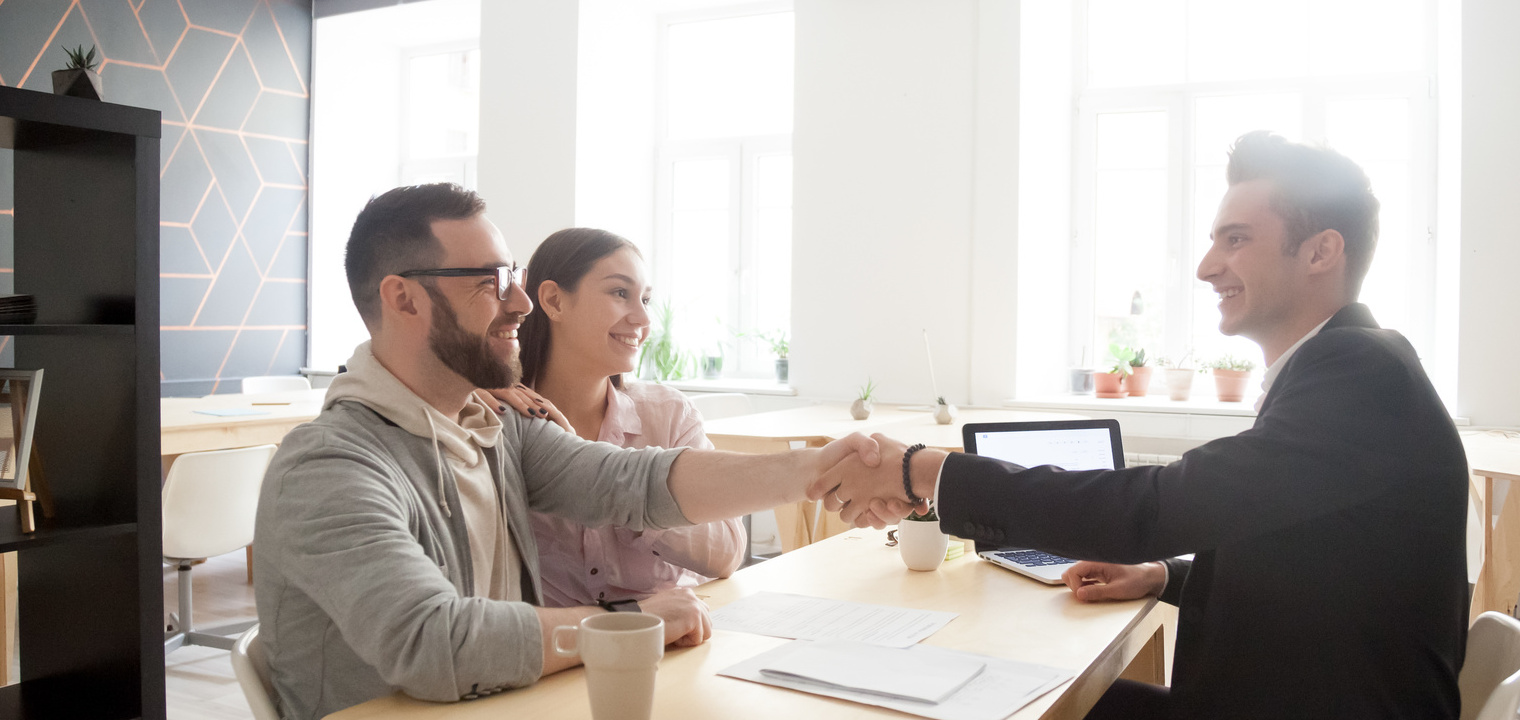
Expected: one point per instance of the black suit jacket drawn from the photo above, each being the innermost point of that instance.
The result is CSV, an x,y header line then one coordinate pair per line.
x,y
1330,577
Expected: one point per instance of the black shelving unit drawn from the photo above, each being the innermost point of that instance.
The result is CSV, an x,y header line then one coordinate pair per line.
x,y
90,597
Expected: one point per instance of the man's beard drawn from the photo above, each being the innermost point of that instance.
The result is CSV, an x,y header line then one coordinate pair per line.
x,y
467,353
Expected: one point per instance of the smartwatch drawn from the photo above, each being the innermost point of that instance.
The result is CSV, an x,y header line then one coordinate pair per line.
x,y
619,605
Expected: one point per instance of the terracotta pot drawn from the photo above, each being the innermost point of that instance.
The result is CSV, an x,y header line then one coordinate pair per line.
x,y
1179,383
1139,382
1109,385
1230,385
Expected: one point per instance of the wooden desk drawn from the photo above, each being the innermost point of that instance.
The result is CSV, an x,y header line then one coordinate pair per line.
x,y
803,523
1001,614
185,430
1494,459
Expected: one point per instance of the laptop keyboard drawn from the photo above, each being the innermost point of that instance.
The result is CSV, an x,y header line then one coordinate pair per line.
x,y
1034,558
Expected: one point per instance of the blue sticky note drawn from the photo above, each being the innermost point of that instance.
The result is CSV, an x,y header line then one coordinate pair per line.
x,y
233,412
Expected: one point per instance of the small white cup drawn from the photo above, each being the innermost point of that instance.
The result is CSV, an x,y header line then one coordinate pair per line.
x,y
922,544
621,652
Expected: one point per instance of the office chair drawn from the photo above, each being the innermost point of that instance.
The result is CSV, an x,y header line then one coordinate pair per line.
x,y
251,665
274,383
1490,679
209,502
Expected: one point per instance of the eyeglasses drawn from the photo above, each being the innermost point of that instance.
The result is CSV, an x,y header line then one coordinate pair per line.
x,y
506,276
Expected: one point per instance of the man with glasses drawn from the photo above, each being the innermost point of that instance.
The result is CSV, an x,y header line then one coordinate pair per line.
x,y
395,550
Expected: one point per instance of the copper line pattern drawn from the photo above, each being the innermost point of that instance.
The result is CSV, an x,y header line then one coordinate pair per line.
x,y
195,239
288,54
281,245
214,80
226,131
228,328
137,15
187,276
269,369
217,271
48,44
296,161
129,63
172,153
93,37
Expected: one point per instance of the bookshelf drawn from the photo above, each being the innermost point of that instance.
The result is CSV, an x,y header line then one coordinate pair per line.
x,y
89,598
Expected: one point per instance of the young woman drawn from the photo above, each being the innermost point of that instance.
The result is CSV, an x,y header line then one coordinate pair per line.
x,y
590,317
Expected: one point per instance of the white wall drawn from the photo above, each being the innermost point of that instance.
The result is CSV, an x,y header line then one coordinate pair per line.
x,y
615,134
528,118
1488,388
883,142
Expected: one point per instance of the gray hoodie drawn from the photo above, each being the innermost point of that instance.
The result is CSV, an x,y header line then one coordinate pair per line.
x,y
362,566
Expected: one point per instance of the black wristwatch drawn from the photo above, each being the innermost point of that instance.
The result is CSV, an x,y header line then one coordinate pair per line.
x,y
620,605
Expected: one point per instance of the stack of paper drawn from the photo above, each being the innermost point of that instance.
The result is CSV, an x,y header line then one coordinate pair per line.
x,y
995,691
810,618
887,672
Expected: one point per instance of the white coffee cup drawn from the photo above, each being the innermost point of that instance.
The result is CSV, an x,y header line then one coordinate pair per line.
x,y
922,544
621,652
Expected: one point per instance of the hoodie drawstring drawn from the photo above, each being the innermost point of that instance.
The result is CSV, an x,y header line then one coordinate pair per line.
x,y
443,501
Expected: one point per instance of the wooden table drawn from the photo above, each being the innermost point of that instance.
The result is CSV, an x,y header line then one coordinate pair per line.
x,y
1494,459
800,524
185,430
1001,614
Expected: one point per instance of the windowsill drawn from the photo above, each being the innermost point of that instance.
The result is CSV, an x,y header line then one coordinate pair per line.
x,y
1147,404
750,386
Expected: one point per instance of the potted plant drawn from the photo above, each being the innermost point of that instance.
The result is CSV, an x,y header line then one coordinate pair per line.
x,y
1139,382
943,412
78,78
921,541
861,408
661,359
1230,375
1111,384
779,347
1179,377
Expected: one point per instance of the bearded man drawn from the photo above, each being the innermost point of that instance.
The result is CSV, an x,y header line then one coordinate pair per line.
x,y
395,551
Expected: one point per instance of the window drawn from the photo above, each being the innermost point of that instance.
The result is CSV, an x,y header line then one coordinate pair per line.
x,y
440,115
723,230
1167,88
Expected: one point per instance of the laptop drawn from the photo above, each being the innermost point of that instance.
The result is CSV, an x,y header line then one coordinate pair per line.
x,y
1068,444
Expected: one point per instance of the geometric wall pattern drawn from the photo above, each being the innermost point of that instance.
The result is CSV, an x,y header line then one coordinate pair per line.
x,y
232,79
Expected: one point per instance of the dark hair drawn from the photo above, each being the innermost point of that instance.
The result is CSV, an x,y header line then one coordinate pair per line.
x,y
394,233
564,257
1314,189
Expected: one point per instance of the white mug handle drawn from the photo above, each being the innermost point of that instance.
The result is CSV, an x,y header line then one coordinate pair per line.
x,y
564,631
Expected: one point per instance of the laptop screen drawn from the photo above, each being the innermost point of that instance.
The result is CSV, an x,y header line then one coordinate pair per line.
x,y
1068,444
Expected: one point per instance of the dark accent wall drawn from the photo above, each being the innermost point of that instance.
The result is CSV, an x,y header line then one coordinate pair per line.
x,y
232,79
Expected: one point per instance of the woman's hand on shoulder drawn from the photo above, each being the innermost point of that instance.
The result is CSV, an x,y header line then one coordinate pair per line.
x,y
527,403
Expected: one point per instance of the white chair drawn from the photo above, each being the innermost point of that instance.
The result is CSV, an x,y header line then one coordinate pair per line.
x,y
714,406
274,383
1490,679
251,665
209,503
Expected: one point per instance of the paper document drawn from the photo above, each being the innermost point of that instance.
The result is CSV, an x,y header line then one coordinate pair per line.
x,y
897,673
233,412
808,618
998,691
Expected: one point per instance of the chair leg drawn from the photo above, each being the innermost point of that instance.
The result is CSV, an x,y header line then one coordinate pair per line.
x,y
249,552
184,631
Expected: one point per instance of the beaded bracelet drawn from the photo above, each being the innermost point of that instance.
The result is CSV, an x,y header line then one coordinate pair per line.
x,y
907,479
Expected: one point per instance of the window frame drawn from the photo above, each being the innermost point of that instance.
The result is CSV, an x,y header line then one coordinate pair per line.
x,y
1178,100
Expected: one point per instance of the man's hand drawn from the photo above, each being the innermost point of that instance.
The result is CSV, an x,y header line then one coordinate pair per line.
x,y
687,621
526,402
1099,581
865,493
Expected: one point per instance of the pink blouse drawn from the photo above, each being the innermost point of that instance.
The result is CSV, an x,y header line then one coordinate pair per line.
x,y
580,565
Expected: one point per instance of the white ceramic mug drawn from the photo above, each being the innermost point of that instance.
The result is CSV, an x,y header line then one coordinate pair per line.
x,y
621,652
922,544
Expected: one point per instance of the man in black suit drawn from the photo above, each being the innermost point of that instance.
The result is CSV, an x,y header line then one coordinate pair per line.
x,y
1330,571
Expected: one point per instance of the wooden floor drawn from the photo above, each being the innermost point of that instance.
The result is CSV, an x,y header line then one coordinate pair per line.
x,y
199,682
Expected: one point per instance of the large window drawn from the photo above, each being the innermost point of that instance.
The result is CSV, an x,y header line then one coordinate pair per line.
x,y
1167,88
724,199
440,114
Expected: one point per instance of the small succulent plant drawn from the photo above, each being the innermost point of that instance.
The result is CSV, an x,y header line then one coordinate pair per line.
x,y
81,60
929,516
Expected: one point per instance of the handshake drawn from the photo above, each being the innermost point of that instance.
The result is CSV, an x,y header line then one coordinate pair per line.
x,y
868,481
